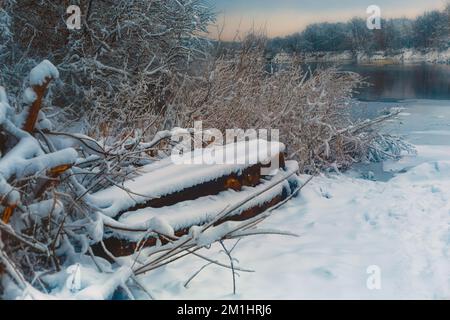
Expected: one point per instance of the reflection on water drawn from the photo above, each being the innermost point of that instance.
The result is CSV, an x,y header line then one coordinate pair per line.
x,y
399,82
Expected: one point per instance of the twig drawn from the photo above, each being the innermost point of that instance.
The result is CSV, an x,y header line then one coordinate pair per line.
x,y
233,273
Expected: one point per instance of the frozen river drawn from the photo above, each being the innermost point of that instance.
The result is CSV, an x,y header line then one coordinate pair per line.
x,y
423,91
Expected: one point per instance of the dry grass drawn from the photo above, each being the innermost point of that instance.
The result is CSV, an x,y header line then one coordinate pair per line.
x,y
311,109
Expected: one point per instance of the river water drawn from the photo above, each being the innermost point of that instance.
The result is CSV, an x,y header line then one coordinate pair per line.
x,y
395,82
423,91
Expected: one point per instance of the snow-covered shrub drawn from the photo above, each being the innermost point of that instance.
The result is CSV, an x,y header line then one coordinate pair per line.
x,y
28,172
5,32
119,65
311,109
51,216
386,146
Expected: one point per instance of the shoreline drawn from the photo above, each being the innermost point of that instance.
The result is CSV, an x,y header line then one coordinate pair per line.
x,y
402,56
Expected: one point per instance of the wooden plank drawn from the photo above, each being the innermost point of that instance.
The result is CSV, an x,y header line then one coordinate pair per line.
x,y
249,177
123,247
166,183
206,182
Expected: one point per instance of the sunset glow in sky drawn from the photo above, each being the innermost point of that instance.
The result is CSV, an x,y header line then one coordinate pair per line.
x,y
282,17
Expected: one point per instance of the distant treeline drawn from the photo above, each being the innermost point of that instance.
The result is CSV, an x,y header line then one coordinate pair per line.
x,y
429,30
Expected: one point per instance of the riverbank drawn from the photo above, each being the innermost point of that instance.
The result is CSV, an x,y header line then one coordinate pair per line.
x,y
406,56
423,123
347,226
379,57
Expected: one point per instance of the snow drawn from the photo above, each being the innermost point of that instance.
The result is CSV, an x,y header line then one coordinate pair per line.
x,y
433,56
5,109
426,153
205,209
403,56
162,179
27,158
41,72
29,96
41,209
329,56
93,285
345,225
104,290
214,234
12,195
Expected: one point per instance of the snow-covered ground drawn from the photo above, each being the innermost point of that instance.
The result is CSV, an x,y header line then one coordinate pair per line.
x,y
345,226
353,233
408,56
401,56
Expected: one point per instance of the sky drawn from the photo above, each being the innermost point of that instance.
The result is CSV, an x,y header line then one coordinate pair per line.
x,y
283,17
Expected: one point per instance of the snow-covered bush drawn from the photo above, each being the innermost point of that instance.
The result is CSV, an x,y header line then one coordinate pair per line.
x,y
311,109
51,215
137,67
118,65
5,32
